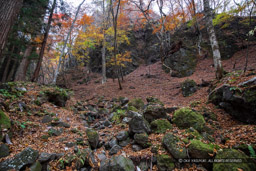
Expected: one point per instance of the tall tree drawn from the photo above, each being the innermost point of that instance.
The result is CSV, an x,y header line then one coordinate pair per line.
x,y
213,40
65,44
8,12
114,18
41,54
104,77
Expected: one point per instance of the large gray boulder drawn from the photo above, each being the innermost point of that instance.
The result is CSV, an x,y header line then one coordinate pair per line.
x,y
153,112
182,62
172,145
120,163
239,102
25,158
139,125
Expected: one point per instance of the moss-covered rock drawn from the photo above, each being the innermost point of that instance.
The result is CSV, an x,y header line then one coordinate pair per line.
x,y
5,122
153,112
93,138
186,118
174,146
137,103
193,134
139,125
132,108
120,163
56,95
198,149
160,125
182,62
188,87
152,100
229,154
142,140
239,103
165,163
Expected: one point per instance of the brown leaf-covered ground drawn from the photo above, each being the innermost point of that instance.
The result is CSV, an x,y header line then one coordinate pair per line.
x,y
143,82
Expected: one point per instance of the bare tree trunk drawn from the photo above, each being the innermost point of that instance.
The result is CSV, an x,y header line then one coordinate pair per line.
x,y
115,16
41,54
11,74
6,69
104,77
21,74
65,44
213,40
8,11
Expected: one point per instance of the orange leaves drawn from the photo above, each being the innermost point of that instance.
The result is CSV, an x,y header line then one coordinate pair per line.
x,y
121,59
85,20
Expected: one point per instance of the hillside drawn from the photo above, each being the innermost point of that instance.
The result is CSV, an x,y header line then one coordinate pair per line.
x,y
96,124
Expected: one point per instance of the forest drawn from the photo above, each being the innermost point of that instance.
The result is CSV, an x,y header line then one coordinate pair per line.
x,y
128,85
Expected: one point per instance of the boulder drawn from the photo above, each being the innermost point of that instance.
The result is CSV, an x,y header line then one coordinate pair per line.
x,y
120,163
60,124
122,135
47,119
137,103
186,118
57,96
138,125
55,132
188,87
182,62
153,112
152,100
173,146
114,149
142,140
239,103
160,126
200,150
243,162
93,138
25,158
165,163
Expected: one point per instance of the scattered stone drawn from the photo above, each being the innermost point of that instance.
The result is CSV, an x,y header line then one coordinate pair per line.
x,y
107,123
93,138
125,142
46,157
55,132
47,119
131,114
126,120
26,157
160,126
173,146
139,125
21,89
4,150
136,147
144,165
188,87
165,163
60,124
122,135
120,163
186,118
124,100
114,149
153,101
102,156
70,144
153,112
142,140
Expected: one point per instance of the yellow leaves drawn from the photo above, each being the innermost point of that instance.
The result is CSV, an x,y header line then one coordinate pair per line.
x,y
121,59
